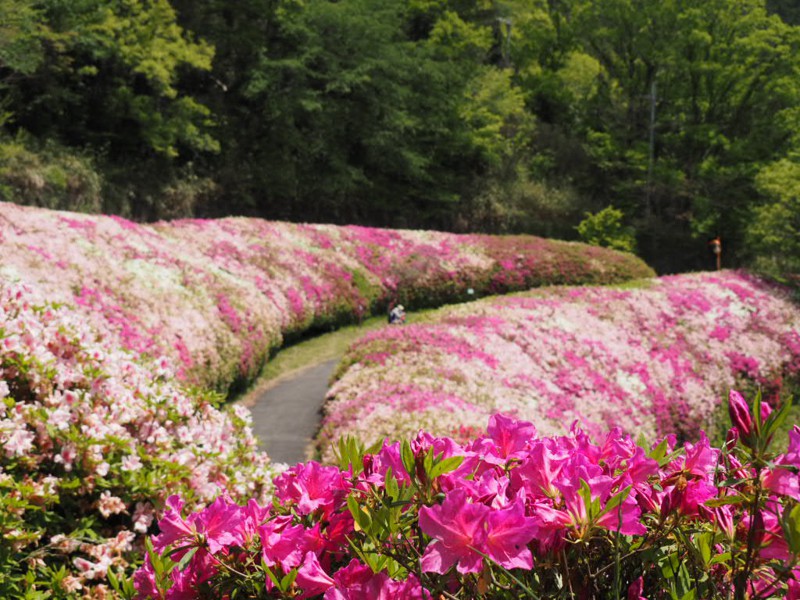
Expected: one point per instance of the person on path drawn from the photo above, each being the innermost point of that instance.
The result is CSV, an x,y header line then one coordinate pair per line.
x,y
397,316
716,248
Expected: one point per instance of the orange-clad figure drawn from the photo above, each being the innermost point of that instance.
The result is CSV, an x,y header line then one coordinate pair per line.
x,y
716,248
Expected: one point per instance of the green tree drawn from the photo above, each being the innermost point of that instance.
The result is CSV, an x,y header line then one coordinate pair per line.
x,y
106,76
606,228
385,112
688,100
774,231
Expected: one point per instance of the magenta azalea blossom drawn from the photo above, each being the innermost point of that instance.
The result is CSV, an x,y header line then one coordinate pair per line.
x,y
214,527
784,478
509,435
551,527
357,582
282,543
312,578
625,518
541,469
635,590
173,526
457,527
311,486
509,532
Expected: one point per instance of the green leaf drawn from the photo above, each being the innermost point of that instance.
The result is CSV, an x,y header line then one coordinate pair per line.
x,y
445,466
790,523
703,543
427,463
274,578
617,499
390,484
720,558
585,492
757,412
408,459
288,580
726,500
665,460
184,561
360,514
777,418
112,579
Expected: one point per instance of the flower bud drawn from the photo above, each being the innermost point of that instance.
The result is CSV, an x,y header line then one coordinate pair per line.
x,y
636,589
766,411
723,517
741,418
732,438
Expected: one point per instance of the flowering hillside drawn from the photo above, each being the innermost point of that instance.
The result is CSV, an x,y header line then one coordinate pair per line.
x,y
653,360
217,296
103,322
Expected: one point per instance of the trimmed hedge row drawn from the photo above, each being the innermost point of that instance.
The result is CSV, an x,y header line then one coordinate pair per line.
x,y
218,296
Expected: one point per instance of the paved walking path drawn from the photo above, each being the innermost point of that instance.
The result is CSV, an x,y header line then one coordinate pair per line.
x,y
286,416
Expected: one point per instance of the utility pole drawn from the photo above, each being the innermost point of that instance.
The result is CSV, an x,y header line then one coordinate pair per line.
x,y
505,44
652,151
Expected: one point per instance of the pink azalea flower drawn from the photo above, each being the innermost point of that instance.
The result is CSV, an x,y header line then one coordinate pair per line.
x,y
625,518
551,527
389,457
784,478
311,486
687,496
794,586
723,517
510,436
282,543
541,469
312,578
457,527
215,527
509,532
144,581
254,515
357,582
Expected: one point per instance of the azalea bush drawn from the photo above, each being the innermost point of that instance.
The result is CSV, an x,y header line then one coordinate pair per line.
x,y
93,439
509,514
217,296
653,359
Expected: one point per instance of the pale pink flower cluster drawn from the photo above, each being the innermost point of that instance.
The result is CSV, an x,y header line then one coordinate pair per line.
x,y
216,296
651,360
86,425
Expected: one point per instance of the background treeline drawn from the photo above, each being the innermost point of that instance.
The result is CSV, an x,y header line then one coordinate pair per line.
x,y
464,115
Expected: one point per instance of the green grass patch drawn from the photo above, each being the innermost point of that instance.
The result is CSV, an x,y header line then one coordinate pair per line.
x,y
309,352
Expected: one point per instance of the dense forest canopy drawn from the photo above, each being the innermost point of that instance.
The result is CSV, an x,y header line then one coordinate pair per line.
x,y
466,115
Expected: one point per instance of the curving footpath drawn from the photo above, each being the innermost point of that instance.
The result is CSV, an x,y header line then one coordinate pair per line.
x,y
287,415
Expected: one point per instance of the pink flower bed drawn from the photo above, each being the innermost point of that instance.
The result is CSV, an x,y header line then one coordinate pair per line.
x,y
94,438
652,360
508,515
216,296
